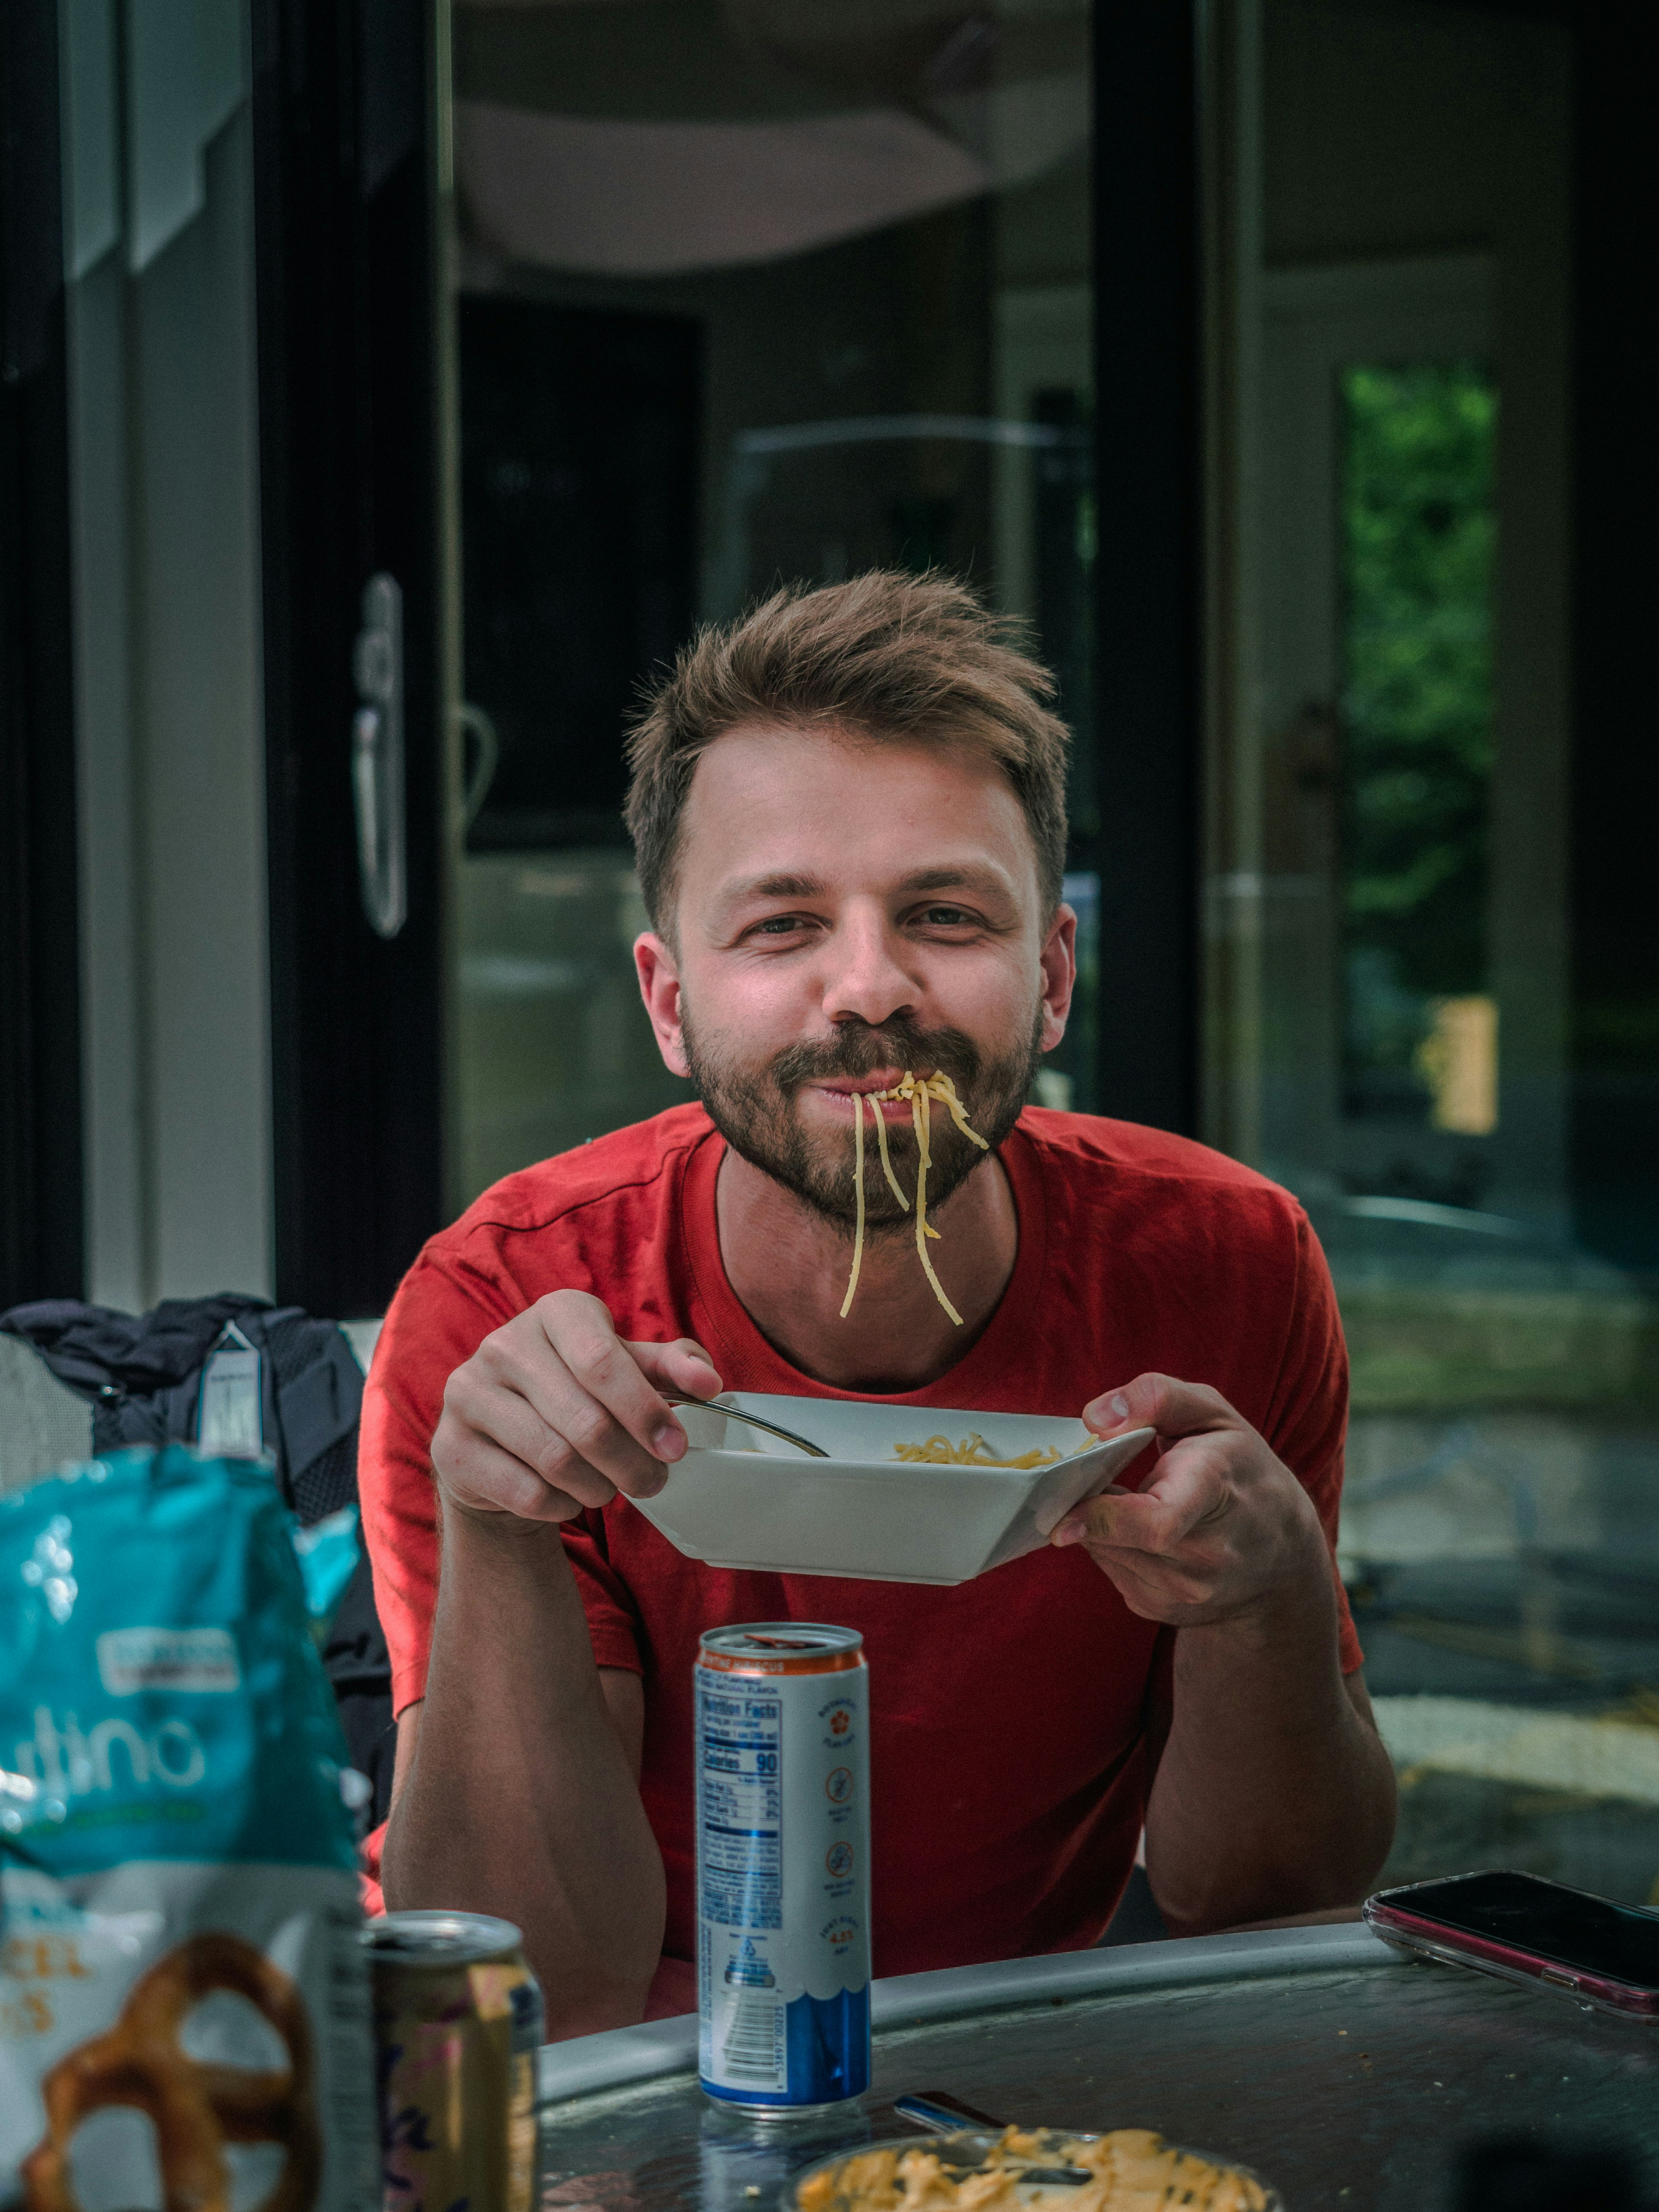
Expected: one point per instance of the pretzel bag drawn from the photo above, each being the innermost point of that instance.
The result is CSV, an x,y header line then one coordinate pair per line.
x,y
184,2015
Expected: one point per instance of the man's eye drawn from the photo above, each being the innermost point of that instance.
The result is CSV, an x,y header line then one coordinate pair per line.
x,y
779,925
945,917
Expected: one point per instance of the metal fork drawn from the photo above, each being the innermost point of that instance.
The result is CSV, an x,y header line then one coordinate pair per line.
x,y
754,1420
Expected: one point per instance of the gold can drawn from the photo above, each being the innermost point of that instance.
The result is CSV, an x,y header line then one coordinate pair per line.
x,y
458,2022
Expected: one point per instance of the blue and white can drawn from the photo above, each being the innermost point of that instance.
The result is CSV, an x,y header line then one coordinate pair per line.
x,y
783,1865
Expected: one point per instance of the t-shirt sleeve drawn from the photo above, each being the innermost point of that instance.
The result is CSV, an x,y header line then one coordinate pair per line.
x,y
1307,1419
613,1622
442,1312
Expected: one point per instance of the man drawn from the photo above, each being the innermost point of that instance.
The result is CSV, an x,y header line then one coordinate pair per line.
x,y
849,811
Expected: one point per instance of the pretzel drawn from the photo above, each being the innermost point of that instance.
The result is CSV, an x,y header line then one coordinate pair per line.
x,y
196,2108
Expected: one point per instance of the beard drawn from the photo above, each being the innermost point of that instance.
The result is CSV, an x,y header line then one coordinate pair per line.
x,y
754,1109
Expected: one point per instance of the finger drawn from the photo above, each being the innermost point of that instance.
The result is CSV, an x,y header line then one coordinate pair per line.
x,y
1165,1595
518,1390
492,1402
582,1444
614,1415
1108,1524
1191,1490
1174,1408
682,1366
1197,1478
478,1472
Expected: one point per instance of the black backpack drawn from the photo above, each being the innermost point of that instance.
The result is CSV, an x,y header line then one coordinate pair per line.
x,y
237,1372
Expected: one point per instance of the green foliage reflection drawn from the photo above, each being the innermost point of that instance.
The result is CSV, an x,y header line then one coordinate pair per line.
x,y
1418,533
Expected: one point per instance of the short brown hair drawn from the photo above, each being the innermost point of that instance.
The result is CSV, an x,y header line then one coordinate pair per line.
x,y
917,660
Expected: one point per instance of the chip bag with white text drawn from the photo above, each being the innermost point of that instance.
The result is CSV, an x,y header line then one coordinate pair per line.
x,y
184,2015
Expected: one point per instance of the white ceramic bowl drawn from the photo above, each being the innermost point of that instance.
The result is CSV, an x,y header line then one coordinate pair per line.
x,y
738,1498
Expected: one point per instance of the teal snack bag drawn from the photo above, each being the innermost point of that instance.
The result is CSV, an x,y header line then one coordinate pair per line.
x,y
184,2009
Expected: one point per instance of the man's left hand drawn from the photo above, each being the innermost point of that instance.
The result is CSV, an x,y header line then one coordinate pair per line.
x,y
1222,1529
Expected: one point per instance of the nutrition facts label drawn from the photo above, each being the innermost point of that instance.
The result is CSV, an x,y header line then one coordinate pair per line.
x,y
740,1810
783,1846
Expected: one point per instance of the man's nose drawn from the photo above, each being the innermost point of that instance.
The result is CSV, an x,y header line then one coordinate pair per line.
x,y
867,977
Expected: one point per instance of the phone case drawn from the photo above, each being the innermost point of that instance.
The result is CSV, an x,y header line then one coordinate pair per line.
x,y
1393,1919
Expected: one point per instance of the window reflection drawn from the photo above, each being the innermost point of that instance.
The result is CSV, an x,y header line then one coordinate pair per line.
x,y
1392,999
1418,537
746,291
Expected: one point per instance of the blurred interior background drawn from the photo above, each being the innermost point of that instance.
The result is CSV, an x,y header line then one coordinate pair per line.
x,y
1281,363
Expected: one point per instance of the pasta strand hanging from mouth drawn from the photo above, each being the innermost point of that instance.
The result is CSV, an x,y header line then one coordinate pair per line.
x,y
880,1120
857,1186
922,1113
921,1096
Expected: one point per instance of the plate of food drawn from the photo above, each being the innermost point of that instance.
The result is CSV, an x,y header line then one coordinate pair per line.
x,y
904,1493
1130,2170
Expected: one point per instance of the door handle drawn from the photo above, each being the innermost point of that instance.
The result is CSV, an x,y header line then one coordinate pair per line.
x,y
377,755
472,721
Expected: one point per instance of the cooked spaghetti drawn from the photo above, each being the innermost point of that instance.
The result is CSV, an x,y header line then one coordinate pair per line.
x,y
921,1096
939,1451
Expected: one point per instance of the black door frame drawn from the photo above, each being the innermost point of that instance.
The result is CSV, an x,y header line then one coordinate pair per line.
x,y
1149,566
42,1200
1614,764
344,226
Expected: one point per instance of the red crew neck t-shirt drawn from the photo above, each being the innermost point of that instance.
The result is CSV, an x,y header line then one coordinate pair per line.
x,y
1008,1752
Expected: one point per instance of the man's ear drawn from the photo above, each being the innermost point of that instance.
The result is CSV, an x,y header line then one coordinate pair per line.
x,y
660,987
1058,961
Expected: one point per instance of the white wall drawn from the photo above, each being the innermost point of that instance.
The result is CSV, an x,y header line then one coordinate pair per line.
x,y
170,752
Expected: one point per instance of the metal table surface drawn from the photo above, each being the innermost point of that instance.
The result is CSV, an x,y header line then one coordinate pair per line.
x,y
1343,2072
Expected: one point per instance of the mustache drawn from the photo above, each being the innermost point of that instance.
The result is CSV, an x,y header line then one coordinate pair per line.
x,y
860,1048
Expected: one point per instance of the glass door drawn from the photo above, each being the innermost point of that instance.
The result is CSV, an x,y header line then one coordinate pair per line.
x,y
743,292
1403,992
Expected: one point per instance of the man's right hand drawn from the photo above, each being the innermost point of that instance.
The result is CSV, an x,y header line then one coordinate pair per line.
x,y
554,1412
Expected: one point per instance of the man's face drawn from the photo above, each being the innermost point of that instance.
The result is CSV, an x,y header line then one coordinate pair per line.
x,y
847,910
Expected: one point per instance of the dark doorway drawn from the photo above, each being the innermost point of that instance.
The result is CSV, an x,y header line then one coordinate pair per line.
x,y
40,1182
578,483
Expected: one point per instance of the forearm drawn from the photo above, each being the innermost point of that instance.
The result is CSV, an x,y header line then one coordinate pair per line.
x,y
1273,1794
520,1801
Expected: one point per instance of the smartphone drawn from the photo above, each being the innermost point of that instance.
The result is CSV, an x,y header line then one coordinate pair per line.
x,y
1523,1929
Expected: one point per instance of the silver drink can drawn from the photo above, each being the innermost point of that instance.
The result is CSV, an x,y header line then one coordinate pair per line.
x,y
783,1865
459,2021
